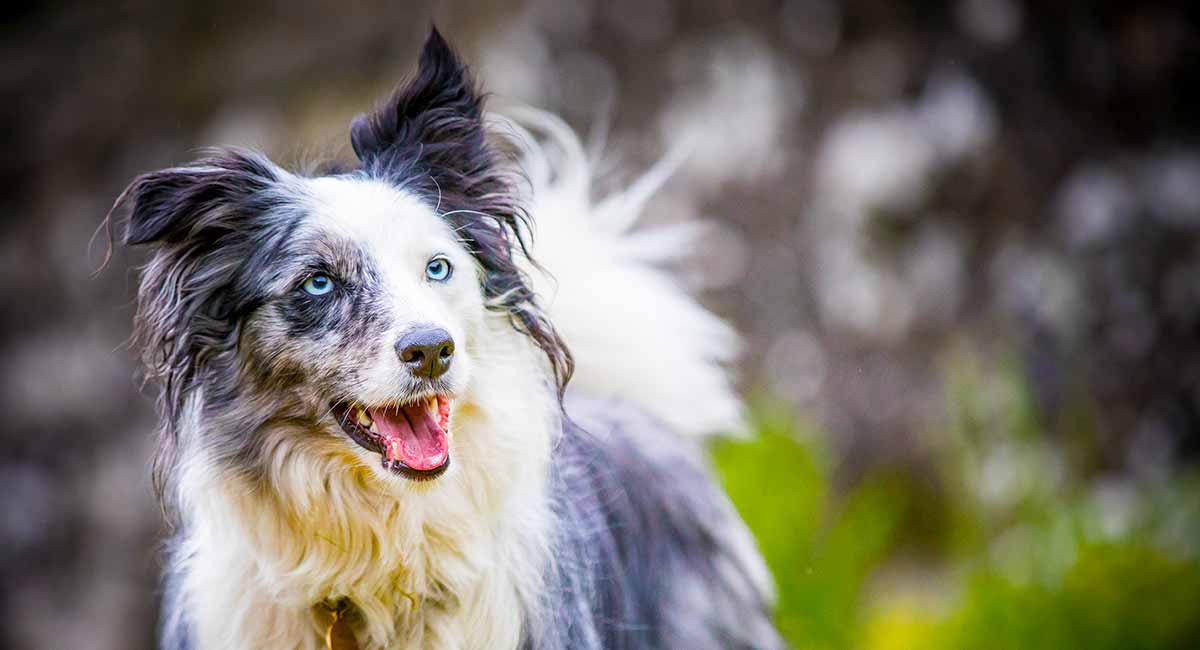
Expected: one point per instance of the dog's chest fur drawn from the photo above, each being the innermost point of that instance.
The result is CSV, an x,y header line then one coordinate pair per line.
x,y
456,567
430,589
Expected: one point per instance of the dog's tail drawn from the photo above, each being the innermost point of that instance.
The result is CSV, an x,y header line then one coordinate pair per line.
x,y
635,333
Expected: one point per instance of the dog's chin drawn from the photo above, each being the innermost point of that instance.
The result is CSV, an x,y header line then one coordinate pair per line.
x,y
412,439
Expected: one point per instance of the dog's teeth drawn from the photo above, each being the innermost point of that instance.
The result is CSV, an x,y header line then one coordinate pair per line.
x,y
431,405
373,428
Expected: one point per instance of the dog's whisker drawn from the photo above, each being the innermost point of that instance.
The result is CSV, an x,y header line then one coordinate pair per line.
x,y
473,212
438,207
326,413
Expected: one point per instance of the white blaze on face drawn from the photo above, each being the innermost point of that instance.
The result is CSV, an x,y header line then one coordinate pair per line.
x,y
399,234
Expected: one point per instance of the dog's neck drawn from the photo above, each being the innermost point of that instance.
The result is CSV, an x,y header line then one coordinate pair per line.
x,y
413,559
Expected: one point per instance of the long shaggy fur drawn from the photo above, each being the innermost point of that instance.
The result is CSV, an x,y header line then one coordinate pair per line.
x,y
608,292
584,521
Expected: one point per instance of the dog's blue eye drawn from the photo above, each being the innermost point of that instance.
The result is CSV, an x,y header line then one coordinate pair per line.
x,y
438,269
317,285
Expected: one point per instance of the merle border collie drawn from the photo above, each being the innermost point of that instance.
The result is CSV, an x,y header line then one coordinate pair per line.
x,y
367,437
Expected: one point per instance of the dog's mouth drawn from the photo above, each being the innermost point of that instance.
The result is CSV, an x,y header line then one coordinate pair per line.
x,y
412,439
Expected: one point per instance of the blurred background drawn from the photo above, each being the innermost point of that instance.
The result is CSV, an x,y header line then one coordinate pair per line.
x,y
961,238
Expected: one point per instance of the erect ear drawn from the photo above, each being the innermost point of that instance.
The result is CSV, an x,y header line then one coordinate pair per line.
x,y
436,117
430,136
175,204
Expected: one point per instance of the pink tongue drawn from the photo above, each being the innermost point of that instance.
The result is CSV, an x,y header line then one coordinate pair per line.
x,y
411,436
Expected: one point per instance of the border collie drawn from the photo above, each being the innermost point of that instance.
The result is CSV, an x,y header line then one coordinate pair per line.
x,y
366,434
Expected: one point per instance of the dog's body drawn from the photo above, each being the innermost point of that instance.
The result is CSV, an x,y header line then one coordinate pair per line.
x,y
327,344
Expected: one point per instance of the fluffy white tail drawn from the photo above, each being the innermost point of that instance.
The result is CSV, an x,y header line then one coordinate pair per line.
x,y
635,333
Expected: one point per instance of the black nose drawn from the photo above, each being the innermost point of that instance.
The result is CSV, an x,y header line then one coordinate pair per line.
x,y
426,351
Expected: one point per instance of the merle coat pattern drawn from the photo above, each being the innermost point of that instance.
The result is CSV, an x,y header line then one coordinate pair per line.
x,y
580,518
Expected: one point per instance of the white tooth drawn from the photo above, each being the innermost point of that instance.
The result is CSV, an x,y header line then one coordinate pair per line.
x,y
431,405
373,428
363,419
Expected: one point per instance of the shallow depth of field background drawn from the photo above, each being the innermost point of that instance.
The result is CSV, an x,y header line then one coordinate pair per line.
x,y
962,240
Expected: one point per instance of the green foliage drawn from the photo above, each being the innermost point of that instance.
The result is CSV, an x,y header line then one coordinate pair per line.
x,y
1124,596
1022,546
820,548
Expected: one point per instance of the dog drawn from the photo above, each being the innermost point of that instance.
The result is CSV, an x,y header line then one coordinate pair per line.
x,y
367,437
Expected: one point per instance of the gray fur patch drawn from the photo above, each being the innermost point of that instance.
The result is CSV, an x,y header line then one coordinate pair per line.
x,y
646,554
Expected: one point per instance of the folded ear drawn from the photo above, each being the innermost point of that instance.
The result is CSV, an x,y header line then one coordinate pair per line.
x,y
435,118
175,204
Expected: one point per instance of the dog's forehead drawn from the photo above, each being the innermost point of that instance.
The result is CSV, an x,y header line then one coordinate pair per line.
x,y
376,215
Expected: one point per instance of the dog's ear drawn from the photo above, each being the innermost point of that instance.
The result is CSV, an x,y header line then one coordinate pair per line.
x,y
430,137
178,203
203,223
435,118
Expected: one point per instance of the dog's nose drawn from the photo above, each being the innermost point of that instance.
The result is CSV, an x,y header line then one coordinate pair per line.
x,y
426,351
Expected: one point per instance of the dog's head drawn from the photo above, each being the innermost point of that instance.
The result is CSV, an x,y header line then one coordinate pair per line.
x,y
352,304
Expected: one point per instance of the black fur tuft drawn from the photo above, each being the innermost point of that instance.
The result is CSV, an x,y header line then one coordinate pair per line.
x,y
172,205
438,113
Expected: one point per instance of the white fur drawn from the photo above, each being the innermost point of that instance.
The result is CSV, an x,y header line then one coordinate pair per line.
x,y
452,563
402,233
636,335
